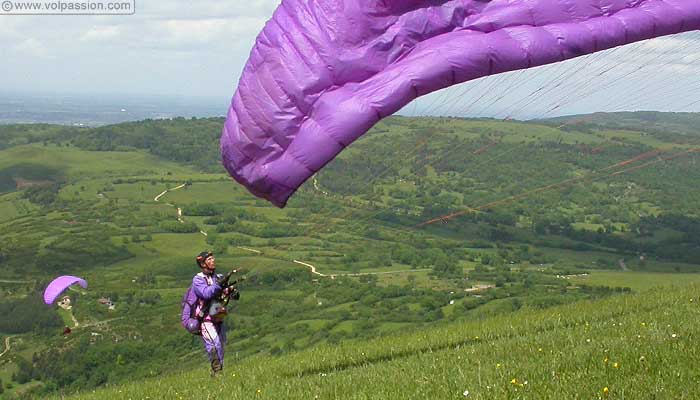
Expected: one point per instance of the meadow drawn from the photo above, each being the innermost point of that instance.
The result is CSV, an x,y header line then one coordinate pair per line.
x,y
396,309
637,346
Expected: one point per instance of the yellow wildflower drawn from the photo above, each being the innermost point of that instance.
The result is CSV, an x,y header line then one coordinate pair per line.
x,y
606,391
616,365
514,381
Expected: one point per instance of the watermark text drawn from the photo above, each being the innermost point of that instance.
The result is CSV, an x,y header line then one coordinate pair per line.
x,y
63,7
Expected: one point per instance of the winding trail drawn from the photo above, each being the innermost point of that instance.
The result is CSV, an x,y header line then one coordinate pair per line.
x,y
399,271
98,323
168,190
621,263
248,249
317,188
313,271
179,210
311,267
7,346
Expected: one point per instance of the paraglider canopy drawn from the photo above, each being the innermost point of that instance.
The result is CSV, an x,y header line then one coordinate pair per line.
x,y
59,285
323,72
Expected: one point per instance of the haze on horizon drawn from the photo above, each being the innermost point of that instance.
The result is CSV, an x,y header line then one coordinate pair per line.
x,y
193,53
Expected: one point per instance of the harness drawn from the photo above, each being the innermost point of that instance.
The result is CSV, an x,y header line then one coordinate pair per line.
x,y
213,310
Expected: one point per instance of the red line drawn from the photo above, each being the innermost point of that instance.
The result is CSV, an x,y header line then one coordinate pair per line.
x,y
640,157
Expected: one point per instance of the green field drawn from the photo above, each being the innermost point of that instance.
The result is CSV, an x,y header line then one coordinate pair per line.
x,y
635,346
636,280
78,163
567,231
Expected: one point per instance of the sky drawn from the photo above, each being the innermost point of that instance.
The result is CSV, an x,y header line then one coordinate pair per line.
x,y
168,47
196,50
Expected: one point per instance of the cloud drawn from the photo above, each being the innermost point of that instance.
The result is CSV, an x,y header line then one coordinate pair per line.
x,y
102,34
33,48
691,58
201,47
206,9
184,33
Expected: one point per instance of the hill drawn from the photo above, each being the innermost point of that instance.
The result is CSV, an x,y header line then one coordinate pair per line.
x,y
422,224
634,346
644,121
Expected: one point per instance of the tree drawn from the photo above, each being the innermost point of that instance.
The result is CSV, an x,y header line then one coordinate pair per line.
x,y
24,372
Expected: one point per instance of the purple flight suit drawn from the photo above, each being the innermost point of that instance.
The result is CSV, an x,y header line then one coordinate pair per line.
x,y
213,332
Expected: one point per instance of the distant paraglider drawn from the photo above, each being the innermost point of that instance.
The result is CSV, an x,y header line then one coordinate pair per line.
x,y
59,285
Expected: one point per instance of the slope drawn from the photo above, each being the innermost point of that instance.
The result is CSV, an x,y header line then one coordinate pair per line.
x,y
632,346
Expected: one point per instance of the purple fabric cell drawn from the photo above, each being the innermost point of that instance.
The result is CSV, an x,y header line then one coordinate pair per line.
x,y
60,284
323,72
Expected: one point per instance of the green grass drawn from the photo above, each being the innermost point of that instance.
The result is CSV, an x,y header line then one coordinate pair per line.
x,y
587,226
639,137
65,316
635,280
637,346
206,192
13,206
420,278
438,361
176,244
84,164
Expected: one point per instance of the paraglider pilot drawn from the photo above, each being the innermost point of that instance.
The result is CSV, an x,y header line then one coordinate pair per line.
x,y
213,292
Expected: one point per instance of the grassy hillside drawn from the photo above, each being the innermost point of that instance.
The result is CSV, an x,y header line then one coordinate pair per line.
x,y
645,121
635,346
548,215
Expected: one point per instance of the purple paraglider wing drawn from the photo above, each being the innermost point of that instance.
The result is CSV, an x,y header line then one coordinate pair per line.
x,y
60,284
323,72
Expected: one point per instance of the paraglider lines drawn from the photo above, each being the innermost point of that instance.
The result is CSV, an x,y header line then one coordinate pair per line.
x,y
498,156
525,194
689,45
660,159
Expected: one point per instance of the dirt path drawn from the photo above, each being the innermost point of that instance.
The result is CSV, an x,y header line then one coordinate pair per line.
x,y
7,346
621,263
384,272
179,210
317,188
98,323
248,249
166,191
479,288
313,271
